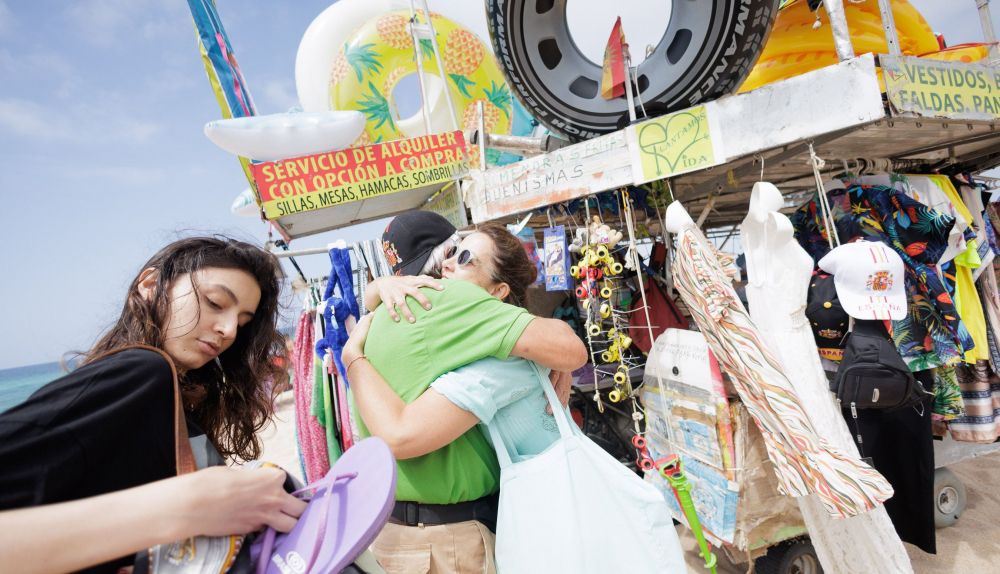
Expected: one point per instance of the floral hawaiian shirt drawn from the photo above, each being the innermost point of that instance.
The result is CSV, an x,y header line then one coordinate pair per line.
x,y
932,334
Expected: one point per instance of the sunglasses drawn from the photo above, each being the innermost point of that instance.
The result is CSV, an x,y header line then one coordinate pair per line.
x,y
465,257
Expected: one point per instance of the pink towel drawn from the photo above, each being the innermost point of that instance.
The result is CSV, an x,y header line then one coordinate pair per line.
x,y
311,435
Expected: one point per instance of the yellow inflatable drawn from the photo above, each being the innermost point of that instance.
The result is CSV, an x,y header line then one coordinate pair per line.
x,y
965,53
796,47
380,53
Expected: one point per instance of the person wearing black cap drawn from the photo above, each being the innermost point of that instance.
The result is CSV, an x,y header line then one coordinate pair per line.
x,y
415,244
446,499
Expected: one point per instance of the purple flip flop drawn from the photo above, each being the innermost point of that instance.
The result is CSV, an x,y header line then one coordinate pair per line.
x,y
346,511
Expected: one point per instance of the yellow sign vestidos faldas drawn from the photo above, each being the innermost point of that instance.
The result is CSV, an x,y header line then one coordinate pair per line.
x,y
670,145
930,88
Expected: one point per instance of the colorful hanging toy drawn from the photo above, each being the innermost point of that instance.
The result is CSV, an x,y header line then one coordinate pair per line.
x,y
596,271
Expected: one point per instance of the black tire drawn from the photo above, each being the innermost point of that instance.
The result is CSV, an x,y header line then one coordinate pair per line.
x,y
706,52
793,557
949,498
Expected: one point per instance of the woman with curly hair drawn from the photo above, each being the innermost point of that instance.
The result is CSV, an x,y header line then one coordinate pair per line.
x,y
205,307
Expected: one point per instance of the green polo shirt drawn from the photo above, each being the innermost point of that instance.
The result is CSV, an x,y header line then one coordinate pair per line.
x,y
464,325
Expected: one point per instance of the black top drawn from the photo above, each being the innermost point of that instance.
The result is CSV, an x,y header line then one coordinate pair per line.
x,y
106,426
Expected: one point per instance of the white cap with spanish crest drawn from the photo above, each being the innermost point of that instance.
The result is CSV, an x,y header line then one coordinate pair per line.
x,y
869,280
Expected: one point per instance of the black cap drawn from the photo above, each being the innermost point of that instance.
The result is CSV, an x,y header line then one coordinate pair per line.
x,y
827,318
410,238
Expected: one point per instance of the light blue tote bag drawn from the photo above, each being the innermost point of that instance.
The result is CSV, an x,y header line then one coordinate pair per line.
x,y
574,508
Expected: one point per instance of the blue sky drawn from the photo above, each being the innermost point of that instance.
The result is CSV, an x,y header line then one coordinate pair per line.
x,y
102,156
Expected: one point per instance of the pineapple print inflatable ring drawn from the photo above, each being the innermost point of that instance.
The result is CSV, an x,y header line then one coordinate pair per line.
x,y
381,53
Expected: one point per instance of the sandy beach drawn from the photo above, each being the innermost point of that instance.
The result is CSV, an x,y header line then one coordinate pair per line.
x,y
971,545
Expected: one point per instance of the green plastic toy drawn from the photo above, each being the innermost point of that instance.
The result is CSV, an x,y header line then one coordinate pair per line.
x,y
670,469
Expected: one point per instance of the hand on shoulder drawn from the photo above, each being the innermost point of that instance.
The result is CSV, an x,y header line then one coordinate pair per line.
x,y
393,291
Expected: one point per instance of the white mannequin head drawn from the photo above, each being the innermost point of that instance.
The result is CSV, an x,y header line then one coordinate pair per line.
x,y
765,199
677,218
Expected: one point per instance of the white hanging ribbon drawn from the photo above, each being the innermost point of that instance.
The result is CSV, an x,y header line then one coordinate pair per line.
x,y
824,204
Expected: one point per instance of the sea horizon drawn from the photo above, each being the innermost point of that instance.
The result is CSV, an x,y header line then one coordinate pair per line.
x,y
18,383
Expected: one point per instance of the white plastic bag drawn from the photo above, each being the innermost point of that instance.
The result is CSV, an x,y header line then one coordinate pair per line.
x,y
574,508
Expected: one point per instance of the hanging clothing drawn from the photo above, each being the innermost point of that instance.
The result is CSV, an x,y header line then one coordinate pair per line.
x,y
981,395
346,426
994,351
779,273
804,462
989,304
970,308
961,208
980,387
340,311
311,436
928,190
932,334
324,406
957,273
989,284
960,257
948,403
325,409
901,448
990,295
938,193
992,213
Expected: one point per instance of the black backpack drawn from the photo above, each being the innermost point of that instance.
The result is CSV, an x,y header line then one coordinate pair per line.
x,y
872,375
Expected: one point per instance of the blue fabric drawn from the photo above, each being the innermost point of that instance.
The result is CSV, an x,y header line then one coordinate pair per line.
x,y
338,308
507,393
932,334
213,37
609,201
991,234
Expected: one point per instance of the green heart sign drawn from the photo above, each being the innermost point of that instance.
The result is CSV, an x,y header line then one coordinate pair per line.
x,y
672,144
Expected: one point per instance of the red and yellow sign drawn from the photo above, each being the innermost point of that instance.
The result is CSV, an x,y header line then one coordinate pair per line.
x,y
323,180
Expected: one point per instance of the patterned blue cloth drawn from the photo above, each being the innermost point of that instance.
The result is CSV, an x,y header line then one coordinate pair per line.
x,y
932,334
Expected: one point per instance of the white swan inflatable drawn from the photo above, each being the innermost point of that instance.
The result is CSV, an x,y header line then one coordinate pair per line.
x,y
279,136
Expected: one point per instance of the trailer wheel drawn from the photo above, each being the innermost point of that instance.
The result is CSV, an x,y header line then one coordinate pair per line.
x,y
949,498
793,557
706,51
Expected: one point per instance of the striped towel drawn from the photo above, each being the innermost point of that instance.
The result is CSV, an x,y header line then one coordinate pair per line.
x,y
803,461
